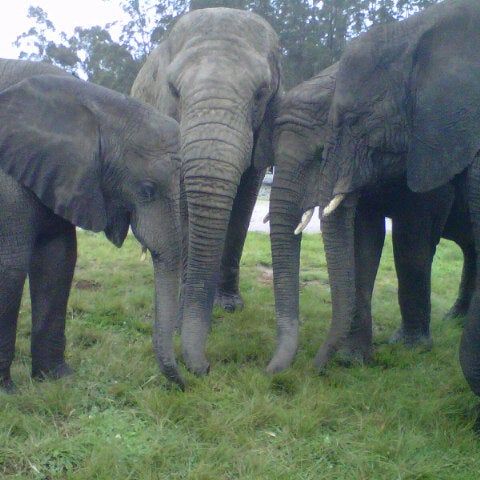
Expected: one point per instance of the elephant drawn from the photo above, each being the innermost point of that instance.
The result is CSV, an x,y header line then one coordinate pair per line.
x,y
406,102
218,74
73,154
300,133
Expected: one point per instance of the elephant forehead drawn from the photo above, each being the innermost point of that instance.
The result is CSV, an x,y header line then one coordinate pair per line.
x,y
223,23
218,57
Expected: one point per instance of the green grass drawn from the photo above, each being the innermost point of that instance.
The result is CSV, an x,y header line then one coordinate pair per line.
x,y
408,416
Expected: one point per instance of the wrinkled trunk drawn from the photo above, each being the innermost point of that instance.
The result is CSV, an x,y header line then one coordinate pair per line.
x,y
285,213
166,312
156,227
216,149
338,238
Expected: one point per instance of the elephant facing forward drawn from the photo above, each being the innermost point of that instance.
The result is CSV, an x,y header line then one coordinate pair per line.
x,y
76,154
218,74
418,219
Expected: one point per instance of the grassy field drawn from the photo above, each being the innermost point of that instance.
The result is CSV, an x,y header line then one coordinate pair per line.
x,y
408,416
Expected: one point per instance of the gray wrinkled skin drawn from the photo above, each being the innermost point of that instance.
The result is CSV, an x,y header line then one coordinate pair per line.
x,y
410,90
76,154
218,74
300,134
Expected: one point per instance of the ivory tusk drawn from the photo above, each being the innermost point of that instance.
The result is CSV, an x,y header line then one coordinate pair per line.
x,y
306,217
266,219
333,205
143,257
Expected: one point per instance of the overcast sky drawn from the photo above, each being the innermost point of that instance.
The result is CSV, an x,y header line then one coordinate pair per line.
x,y
65,15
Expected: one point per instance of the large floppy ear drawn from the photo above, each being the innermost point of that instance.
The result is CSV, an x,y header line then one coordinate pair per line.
x,y
313,179
118,223
152,85
263,145
444,113
50,143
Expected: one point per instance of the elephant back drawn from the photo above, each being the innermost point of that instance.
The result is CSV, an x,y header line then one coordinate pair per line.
x,y
14,71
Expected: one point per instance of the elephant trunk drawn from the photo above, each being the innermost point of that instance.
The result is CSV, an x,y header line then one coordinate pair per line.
x,y
216,150
166,274
285,212
156,227
338,237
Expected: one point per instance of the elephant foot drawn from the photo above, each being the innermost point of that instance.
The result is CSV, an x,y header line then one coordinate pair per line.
x,y
353,355
412,339
457,311
228,301
348,353
54,373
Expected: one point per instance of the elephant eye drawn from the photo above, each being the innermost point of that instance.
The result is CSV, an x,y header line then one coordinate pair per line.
x,y
147,191
261,92
173,90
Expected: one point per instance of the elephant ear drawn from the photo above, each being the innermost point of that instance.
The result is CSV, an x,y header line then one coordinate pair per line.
x,y
50,143
118,224
263,146
444,113
311,198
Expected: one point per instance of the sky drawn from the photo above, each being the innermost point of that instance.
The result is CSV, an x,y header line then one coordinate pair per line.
x,y
65,15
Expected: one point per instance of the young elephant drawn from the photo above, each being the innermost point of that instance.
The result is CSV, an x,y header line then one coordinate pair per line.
x,y
301,130
76,154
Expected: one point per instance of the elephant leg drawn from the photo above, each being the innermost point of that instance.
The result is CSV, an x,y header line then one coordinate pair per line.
x,y
467,283
369,240
416,232
228,295
470,341
11,288
51,274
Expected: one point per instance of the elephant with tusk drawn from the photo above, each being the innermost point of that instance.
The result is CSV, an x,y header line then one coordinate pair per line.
x,y
300,135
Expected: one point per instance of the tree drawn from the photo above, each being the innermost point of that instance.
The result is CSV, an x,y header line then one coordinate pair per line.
x,y
90,53
313,34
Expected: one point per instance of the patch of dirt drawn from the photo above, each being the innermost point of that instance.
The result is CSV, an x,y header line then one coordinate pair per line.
x,y
265,275
87,285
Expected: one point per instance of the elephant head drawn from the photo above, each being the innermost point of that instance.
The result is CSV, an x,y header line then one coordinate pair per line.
x,y
104,162
405,103
300,132
218,74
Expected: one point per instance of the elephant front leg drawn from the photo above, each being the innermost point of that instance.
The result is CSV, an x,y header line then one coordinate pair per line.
x,y
369,240
228,295
51,274
11,287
